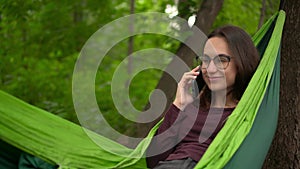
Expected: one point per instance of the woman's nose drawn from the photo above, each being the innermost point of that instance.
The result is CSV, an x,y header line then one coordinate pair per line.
x,y
211,67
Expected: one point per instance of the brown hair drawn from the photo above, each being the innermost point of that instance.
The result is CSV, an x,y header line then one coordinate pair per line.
x,y
246,58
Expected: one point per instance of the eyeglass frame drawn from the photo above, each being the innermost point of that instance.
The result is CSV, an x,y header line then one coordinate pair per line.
x,y
213,59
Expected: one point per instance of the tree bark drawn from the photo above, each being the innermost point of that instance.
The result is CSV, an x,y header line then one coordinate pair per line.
x,y
0,20
78,12
285,149
207,14
262,14
130,42
205,17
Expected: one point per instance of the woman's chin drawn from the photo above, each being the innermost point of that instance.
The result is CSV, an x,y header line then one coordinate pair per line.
x,y
217,88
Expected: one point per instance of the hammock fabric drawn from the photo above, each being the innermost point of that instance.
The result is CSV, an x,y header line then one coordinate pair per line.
x,y
243,142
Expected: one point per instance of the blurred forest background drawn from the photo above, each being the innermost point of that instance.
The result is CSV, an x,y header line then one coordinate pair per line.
x,y
40,41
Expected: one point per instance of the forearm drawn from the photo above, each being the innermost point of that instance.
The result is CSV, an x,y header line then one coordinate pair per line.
x,y
161,144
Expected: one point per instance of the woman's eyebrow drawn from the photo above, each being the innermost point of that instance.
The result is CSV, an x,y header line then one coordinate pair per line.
x,y
215,54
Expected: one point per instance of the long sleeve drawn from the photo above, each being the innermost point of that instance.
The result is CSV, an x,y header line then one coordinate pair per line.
x,y
165,137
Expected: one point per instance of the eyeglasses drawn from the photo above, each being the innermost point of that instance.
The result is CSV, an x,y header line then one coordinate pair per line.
x,y
221,61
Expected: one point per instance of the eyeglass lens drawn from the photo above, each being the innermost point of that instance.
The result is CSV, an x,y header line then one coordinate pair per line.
x,y
220,61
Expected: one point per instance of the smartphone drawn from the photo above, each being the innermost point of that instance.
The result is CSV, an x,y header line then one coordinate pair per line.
x,y
198,84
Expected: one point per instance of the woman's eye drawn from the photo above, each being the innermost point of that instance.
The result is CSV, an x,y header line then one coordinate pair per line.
x,y
205,60
223,59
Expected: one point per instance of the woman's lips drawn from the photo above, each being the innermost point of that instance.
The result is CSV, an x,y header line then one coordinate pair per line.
x,y
213,79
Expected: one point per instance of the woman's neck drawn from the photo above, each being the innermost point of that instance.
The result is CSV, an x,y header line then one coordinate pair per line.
x,y
222,99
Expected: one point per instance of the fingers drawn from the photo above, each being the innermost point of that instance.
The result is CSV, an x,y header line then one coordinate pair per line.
x,y
188,77
196,69
195,72
192,74
183,95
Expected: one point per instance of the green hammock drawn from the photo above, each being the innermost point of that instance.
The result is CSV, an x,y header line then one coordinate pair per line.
x,y
243,142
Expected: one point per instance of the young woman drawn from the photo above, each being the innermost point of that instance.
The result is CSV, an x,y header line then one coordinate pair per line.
x,y
190,125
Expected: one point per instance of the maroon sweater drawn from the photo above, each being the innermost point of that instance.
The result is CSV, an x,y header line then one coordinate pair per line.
x,y
186,133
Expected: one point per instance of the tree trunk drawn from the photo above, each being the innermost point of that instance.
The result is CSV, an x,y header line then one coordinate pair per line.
x,y
285,150
207,14
0,20
130,43
205,17
262,14
78,12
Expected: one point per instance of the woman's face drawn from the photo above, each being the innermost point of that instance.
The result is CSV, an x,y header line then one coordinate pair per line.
x,y
218,74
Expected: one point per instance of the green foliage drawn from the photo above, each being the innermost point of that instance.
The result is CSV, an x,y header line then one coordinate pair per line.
x,y
245,14
41,40
41,46
188,8
151,5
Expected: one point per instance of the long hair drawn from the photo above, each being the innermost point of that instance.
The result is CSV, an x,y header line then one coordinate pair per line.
x,y
246,59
